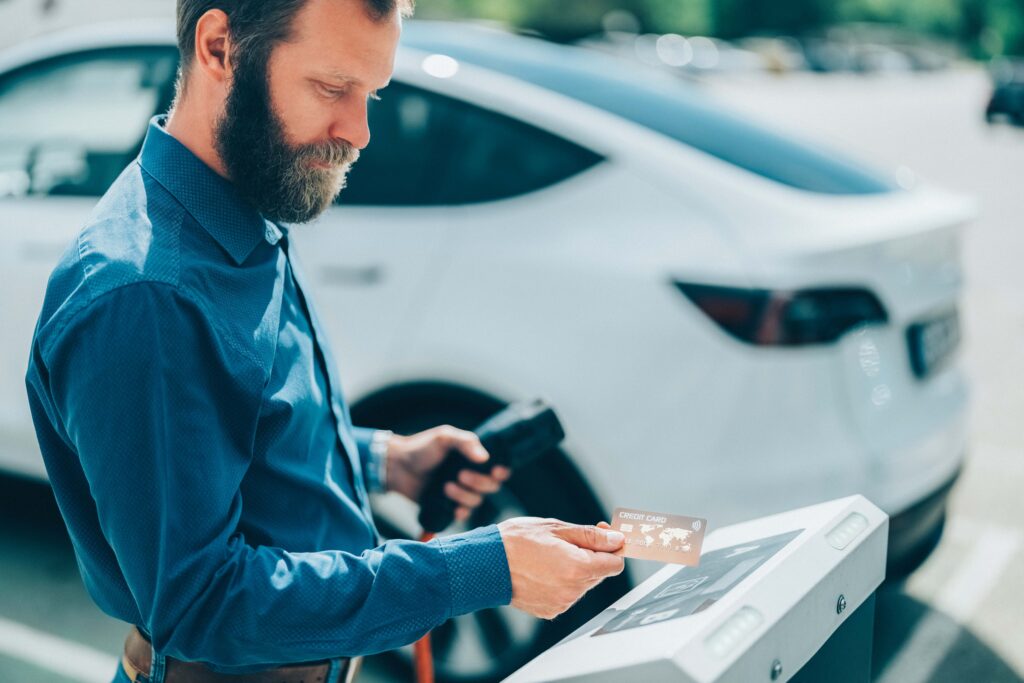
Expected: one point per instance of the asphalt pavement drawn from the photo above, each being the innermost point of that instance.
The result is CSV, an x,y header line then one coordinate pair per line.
x,y
956,619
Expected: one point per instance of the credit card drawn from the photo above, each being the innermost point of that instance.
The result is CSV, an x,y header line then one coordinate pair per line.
x,y
660,537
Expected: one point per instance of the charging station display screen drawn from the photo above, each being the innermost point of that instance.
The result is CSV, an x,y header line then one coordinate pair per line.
x,y
691,589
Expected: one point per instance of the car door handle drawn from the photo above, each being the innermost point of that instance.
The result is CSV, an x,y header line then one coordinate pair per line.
x,y
351,276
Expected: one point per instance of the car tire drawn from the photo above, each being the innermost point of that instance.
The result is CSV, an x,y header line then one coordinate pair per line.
x,y
550,486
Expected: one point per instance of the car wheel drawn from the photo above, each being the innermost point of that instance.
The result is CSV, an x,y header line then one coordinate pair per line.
x,y
489,645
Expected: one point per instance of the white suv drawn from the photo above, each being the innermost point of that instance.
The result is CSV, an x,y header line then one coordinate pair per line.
x,y
730,322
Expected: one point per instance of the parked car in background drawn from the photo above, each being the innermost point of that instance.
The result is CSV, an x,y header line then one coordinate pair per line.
x,y
690,57
1007,101
782,54
875,48
23,19
730,322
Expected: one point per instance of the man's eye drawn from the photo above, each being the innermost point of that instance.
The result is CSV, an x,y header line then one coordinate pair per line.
x,y
332,92
336,94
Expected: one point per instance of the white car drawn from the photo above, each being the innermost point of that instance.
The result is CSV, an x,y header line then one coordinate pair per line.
x,y
729,322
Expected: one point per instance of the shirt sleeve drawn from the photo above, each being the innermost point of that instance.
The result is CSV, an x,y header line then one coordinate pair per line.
x,y
162,409
363,437
373,459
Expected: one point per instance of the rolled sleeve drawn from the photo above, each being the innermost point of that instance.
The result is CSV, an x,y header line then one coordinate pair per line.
x,y
477,570
161,410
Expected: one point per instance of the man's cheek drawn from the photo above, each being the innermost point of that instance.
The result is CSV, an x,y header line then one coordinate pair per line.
x,y
299,119
314,121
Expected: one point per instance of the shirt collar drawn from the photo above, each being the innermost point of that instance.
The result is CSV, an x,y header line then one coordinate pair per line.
x,y
209,198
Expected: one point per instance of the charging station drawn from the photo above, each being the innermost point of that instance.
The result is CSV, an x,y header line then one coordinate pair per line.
x,y
788,597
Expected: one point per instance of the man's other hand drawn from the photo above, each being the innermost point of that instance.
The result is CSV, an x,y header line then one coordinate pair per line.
x,y
553,563
412,458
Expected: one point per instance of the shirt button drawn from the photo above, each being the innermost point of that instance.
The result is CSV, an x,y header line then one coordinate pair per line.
x,y
272,234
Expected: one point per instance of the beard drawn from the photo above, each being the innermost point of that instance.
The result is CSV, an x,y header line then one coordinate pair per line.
x,y
284,183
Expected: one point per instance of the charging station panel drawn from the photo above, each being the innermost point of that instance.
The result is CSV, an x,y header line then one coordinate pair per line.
x,y
768,594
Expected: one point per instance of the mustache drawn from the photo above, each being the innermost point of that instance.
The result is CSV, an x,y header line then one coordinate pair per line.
x,y
332,153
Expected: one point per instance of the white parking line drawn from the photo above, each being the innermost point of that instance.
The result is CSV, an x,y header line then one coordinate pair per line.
x,y
975,578
73,660
955,602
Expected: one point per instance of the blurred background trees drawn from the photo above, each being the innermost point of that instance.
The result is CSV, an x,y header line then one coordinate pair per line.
x,y
979,29
982,28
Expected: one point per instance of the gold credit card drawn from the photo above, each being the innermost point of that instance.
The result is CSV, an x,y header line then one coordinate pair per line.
x,y
660,537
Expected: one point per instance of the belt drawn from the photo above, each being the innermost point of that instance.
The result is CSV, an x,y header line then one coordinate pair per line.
x,y
138,659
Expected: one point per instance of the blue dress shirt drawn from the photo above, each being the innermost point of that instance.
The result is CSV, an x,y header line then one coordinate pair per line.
x,y
191,420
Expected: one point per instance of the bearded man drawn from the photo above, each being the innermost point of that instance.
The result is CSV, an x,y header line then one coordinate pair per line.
x,y
188,407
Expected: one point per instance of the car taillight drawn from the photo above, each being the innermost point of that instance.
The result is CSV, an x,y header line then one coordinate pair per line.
x,y
786,318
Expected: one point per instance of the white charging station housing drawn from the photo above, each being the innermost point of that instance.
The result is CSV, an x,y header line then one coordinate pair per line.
x,y
768,594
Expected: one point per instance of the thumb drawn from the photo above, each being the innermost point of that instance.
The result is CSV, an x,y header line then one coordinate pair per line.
x,y
469,445
591,537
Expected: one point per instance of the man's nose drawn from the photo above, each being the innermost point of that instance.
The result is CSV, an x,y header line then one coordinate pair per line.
x,y
351,125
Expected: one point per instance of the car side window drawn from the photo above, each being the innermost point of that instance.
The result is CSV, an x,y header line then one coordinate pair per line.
x,y
428,149
70,124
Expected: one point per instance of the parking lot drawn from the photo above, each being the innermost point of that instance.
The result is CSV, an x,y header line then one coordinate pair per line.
x,y
956,619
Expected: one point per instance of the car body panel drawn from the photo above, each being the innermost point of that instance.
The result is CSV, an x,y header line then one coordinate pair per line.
x,y
567,292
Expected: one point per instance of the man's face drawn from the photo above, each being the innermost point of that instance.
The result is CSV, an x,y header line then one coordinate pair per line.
x,y
292,127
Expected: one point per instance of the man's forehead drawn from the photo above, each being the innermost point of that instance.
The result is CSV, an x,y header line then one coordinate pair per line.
x,y
338,41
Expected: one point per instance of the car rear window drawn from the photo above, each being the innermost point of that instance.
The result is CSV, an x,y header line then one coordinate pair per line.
x,y
669,106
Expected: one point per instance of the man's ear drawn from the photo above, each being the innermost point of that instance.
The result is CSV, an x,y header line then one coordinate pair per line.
x,y
213,38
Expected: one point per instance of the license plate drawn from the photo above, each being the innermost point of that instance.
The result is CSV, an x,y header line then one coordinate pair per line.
x,y
933,342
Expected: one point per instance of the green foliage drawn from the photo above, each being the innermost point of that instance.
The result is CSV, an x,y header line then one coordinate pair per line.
x,y
572,19
985,27
935,17
1004,30
737,18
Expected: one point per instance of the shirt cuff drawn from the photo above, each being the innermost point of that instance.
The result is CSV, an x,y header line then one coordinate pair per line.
x,y
478,572
377,461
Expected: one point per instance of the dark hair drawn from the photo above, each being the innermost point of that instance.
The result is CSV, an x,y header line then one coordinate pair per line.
x,y
258,25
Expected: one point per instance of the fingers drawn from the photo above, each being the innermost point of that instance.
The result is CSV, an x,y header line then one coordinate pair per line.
x,y
468,443
591,537
480,483
461,495
594,566
605,564
604,525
